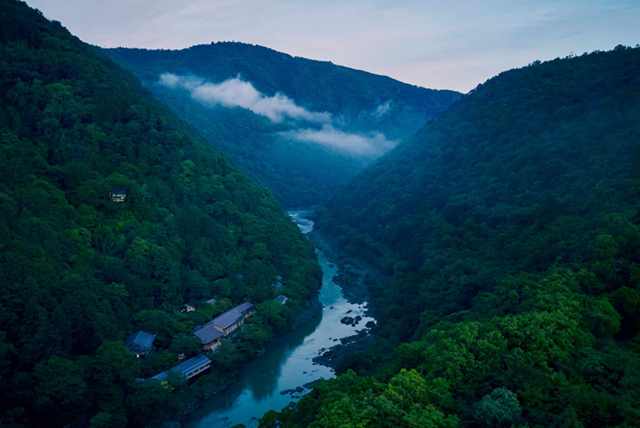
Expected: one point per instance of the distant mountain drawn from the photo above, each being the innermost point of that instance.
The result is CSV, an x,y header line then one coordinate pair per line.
x,y
300,127
113,216
509,230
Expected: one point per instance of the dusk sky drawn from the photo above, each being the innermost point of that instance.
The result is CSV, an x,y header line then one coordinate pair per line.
x,y
435,44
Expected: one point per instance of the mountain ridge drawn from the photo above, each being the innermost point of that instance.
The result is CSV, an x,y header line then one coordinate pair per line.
x,y
306,163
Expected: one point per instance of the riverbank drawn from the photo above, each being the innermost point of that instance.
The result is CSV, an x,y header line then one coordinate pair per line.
x,y
313,310
294,361
355,279
354,276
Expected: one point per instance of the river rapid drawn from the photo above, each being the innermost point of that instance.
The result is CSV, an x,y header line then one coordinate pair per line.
x,y
287,362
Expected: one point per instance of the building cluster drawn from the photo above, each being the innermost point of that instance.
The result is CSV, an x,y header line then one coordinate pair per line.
x,y
210,335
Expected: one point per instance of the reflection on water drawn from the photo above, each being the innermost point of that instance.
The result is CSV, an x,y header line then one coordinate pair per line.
x,y
287,361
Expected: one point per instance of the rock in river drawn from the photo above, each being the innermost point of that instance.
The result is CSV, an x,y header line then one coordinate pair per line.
x,y
347,320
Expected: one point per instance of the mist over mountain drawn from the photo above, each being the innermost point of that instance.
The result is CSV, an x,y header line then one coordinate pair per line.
x,y
279,109
300,127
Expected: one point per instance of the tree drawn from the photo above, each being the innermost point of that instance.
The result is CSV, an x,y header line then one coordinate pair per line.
x,y
187,345
499,409
115,363
61,387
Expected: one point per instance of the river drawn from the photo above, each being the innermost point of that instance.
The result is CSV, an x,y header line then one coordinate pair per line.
x,y
287,361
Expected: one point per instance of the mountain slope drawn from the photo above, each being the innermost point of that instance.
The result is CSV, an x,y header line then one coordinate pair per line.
x,y
535,171
80,272
511,178
363,106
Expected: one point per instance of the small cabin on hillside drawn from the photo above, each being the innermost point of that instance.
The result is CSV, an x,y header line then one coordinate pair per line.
x,y
209,336
118,194
140,343
188,369
186,308
280,299
212,301
278,283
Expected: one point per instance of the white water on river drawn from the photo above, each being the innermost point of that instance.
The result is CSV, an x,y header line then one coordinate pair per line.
x,y
287,361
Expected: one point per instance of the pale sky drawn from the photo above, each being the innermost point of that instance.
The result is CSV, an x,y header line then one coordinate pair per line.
x,y
441,44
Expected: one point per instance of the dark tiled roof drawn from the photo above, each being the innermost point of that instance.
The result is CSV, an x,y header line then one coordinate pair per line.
x,y
208,334
227,319
245,308
140,341
280,299
118,190
185,368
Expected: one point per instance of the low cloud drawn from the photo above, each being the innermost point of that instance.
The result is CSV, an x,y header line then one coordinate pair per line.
x,y
382,109
239,93
371,145
314,127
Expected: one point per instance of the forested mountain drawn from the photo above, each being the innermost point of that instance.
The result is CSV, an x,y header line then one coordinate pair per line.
x,y
79,272
509,228
350,116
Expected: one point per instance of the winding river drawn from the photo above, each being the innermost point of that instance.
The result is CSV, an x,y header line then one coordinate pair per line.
x,y
287,361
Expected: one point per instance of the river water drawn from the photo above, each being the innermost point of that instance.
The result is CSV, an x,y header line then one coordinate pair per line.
x,y
287,361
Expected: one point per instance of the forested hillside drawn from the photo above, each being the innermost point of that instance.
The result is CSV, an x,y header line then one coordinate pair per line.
x,y
509,229
79,272
362,106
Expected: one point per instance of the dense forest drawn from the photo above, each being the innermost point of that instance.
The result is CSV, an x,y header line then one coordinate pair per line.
x,y
297,173
508,227
79,272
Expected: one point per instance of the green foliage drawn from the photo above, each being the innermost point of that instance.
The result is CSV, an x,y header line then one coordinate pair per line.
x,y
80,272
298,174
514,177
499,409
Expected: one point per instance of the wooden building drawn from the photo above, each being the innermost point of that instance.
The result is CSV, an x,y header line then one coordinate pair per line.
x,y
209,336
278,282
227,322
118,194
140,343
233,318
281,299
188,369
246,309
186,308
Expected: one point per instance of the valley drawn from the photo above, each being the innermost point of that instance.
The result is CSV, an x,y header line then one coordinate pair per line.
x,y
288,362
300,128
463,261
